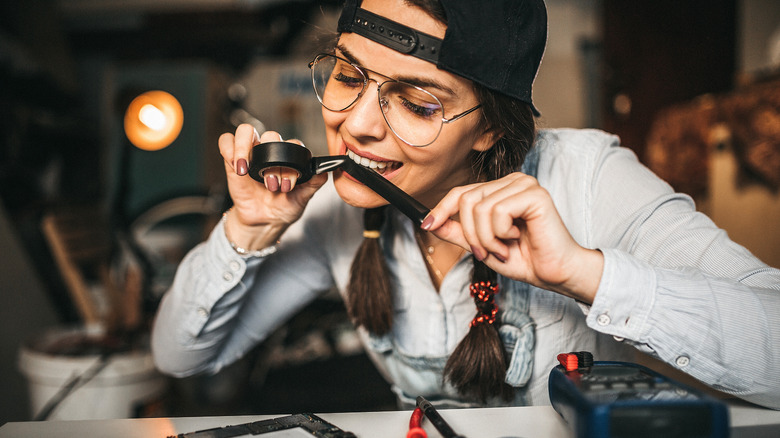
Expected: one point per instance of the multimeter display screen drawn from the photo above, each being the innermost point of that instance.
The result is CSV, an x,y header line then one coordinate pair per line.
x,y
606,384
667,422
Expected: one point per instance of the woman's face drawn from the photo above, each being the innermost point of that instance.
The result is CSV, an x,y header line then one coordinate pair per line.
x,y
427,173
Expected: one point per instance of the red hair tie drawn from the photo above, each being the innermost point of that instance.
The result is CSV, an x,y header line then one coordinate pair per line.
x,y
483,292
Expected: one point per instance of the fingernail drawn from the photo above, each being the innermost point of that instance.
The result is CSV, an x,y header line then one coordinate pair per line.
x,y
498,257
426,224
241,167
286,185
271,183
478,254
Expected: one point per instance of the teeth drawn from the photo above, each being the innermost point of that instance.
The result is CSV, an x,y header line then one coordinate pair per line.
x,y
365,162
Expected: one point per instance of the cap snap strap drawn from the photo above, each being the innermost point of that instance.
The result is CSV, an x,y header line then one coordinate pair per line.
x,y
392,34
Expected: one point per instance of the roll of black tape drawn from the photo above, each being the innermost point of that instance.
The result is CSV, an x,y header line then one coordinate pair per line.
x,y
281,154
298,158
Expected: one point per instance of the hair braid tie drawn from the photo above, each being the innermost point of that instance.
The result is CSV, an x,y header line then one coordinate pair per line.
x,y
484,293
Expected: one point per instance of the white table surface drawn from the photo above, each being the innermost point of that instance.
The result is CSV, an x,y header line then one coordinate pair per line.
x,y
525,422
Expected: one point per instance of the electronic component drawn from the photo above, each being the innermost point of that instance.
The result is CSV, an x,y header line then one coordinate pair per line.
x,y
438,422
620,399
303,424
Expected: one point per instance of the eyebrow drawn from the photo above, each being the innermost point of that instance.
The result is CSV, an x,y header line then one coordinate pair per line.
x,y
420,82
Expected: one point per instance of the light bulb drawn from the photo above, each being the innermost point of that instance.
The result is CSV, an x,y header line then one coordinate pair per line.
x,y
152,117
153,120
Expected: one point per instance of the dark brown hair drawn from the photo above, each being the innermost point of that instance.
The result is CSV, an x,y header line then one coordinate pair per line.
x,y
477,367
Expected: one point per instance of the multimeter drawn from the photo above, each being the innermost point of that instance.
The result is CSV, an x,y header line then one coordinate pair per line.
x,y
621,399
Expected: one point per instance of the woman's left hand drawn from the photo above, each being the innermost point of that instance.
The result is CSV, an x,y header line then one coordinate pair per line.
x,y
512,225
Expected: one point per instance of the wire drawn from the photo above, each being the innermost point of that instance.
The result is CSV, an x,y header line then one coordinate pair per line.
x,y
70,386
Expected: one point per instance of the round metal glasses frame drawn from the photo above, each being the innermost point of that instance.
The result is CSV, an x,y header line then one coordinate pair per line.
x,y
383,104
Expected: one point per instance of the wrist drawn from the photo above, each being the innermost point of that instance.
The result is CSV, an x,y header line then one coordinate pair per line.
x,y
585,281
250,240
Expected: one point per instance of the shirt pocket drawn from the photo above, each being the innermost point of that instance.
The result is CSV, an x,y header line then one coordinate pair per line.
x,y
547,308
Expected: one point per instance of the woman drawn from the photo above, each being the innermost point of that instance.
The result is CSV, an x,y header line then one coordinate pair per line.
x,y
561,239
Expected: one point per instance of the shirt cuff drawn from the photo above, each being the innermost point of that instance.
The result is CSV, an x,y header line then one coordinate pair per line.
x,y
625,297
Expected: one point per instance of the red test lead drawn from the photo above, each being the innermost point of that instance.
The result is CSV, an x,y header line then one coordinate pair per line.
x,y
415,425
568,361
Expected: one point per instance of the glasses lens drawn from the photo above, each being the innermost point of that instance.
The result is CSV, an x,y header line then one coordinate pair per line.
x,y
414,114
337,83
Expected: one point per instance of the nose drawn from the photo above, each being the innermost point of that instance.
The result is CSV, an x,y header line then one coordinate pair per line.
x,y
364,120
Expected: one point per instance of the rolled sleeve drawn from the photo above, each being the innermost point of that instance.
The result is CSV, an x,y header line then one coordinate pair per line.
x,y
194,315
715,329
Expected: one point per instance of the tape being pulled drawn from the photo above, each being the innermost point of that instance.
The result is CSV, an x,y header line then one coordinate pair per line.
x,y
298,158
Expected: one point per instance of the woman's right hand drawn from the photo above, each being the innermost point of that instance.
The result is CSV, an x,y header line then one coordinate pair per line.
x,y
261,211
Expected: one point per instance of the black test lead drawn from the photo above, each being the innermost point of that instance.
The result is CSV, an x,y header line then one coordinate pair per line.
x,y
438,422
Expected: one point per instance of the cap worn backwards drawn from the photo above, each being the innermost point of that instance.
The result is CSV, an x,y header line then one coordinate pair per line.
x,y
497,44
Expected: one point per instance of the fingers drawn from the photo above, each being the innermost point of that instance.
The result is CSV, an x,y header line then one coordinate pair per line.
x,y
279,179
246,138
489,215
498,216
236,151
439,221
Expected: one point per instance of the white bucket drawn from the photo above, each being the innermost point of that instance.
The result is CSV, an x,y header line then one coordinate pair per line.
x,y
127,384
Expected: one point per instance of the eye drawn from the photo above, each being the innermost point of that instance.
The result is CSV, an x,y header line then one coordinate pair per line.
x,y
420,109
412,100
347,76
349,81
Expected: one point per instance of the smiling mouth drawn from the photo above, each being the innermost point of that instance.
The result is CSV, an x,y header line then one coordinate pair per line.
x,y
381,167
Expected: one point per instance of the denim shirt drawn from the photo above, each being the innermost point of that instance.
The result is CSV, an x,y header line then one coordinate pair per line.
x,y
673,285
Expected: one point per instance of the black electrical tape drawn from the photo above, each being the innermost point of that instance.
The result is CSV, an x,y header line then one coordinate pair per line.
x,y
298,158
281,154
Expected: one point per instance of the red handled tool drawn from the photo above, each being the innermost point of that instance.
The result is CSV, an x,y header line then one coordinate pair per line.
x,y
415,425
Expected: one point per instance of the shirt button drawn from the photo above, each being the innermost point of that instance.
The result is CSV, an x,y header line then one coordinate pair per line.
x,y
682,361
619,338
203,312
603,319
234,265
227,276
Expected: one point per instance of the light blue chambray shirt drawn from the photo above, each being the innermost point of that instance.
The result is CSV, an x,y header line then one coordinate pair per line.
x,y
673,286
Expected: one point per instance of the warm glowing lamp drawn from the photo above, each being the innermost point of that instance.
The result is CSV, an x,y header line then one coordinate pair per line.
x,y
153,120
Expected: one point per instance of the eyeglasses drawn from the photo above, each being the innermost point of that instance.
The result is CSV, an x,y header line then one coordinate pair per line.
x,y
414,115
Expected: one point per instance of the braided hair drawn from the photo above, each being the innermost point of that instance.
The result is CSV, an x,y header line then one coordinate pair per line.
x,y
477,366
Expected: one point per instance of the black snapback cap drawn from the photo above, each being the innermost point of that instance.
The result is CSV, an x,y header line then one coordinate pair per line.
x,y
498,43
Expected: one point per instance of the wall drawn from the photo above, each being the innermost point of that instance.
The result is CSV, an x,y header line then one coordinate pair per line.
x,y
561,90
24,310
759,36
749,213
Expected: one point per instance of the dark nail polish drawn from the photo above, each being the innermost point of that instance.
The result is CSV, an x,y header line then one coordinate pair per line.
x,y
286,185
478,254
272,183
426,224
241,167
498,257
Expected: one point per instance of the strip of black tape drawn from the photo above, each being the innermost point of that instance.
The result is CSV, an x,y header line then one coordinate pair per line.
x,y
294,156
